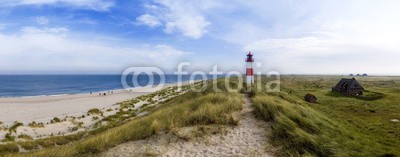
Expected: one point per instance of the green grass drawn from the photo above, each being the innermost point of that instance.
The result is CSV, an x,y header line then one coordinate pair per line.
x,y
8,137
25,136
337,125
36,125
94,111
14,127
189,109
367,95
55,120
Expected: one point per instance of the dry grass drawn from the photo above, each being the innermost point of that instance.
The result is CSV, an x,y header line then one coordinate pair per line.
x,y
336,125
189,109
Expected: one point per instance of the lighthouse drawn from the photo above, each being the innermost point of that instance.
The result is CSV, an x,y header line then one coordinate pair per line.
x,y
249,69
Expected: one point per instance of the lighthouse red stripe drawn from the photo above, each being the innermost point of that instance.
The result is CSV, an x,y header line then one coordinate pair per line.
x,y
249,72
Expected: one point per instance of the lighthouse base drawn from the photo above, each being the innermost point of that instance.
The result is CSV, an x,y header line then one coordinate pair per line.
x,y
249,79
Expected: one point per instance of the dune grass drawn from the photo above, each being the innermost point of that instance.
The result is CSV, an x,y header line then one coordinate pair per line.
x,y
337,125
189,109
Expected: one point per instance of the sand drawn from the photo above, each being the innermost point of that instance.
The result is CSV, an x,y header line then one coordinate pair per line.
x,y
246,139
68,108
43,108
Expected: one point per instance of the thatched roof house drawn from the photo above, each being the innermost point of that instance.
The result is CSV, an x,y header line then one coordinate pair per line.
x,y
348,87
310,98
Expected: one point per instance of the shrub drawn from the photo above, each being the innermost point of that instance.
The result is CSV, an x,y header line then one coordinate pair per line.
x,y
207,108
75,128
55,120
36,125
8,137
14,127
8,148
94,111
95,118
25,136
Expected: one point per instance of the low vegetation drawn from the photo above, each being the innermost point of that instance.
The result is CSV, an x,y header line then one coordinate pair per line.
x,y
94,111
8,138
25,136
55,120
36,125
14,127
336,125
189,109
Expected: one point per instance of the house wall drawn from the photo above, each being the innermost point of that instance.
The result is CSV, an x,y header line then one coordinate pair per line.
x,y
353,92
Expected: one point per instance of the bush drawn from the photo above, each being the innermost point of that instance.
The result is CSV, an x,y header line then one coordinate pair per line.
x,y
189,109
14,127
94,111
8,148
36,125
75,128
25,136
55,120
8,138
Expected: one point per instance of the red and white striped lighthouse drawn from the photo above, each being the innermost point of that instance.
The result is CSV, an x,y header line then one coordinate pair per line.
x,y
249,69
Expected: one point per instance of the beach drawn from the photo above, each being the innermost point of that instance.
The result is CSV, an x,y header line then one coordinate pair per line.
x,y
72,110
28,109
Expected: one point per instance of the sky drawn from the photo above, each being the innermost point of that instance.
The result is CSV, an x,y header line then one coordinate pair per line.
x,y
287,36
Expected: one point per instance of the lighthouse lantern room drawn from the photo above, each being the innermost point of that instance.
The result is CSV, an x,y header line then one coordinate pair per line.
x,y
249,69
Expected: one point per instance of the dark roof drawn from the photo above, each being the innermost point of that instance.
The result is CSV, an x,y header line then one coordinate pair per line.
x,y
348,84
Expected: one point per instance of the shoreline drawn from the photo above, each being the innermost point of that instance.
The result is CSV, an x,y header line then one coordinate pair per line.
x,y
85,92
70,113
94,93
44,108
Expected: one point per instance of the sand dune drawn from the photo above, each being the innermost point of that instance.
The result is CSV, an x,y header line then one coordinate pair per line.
x,y
249,138
45,108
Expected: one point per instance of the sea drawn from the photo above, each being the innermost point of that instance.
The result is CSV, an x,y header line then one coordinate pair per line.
x,y
46,85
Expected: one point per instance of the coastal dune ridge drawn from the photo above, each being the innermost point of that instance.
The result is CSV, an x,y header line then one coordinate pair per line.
x,y
44,108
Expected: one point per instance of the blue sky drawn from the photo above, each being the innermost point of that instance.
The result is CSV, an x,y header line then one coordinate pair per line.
x,y
288,36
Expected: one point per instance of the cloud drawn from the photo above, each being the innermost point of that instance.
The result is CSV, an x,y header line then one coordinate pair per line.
x,y
324,55
333,36
98,5
58,50
179,16
304,36
41,20
53,30
149,20
315,38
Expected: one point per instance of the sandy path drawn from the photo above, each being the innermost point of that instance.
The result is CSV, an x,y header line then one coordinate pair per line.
x,y
246,139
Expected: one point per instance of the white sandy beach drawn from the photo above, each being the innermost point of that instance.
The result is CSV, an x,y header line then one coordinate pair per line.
x,y
44,108
72,110
28,109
